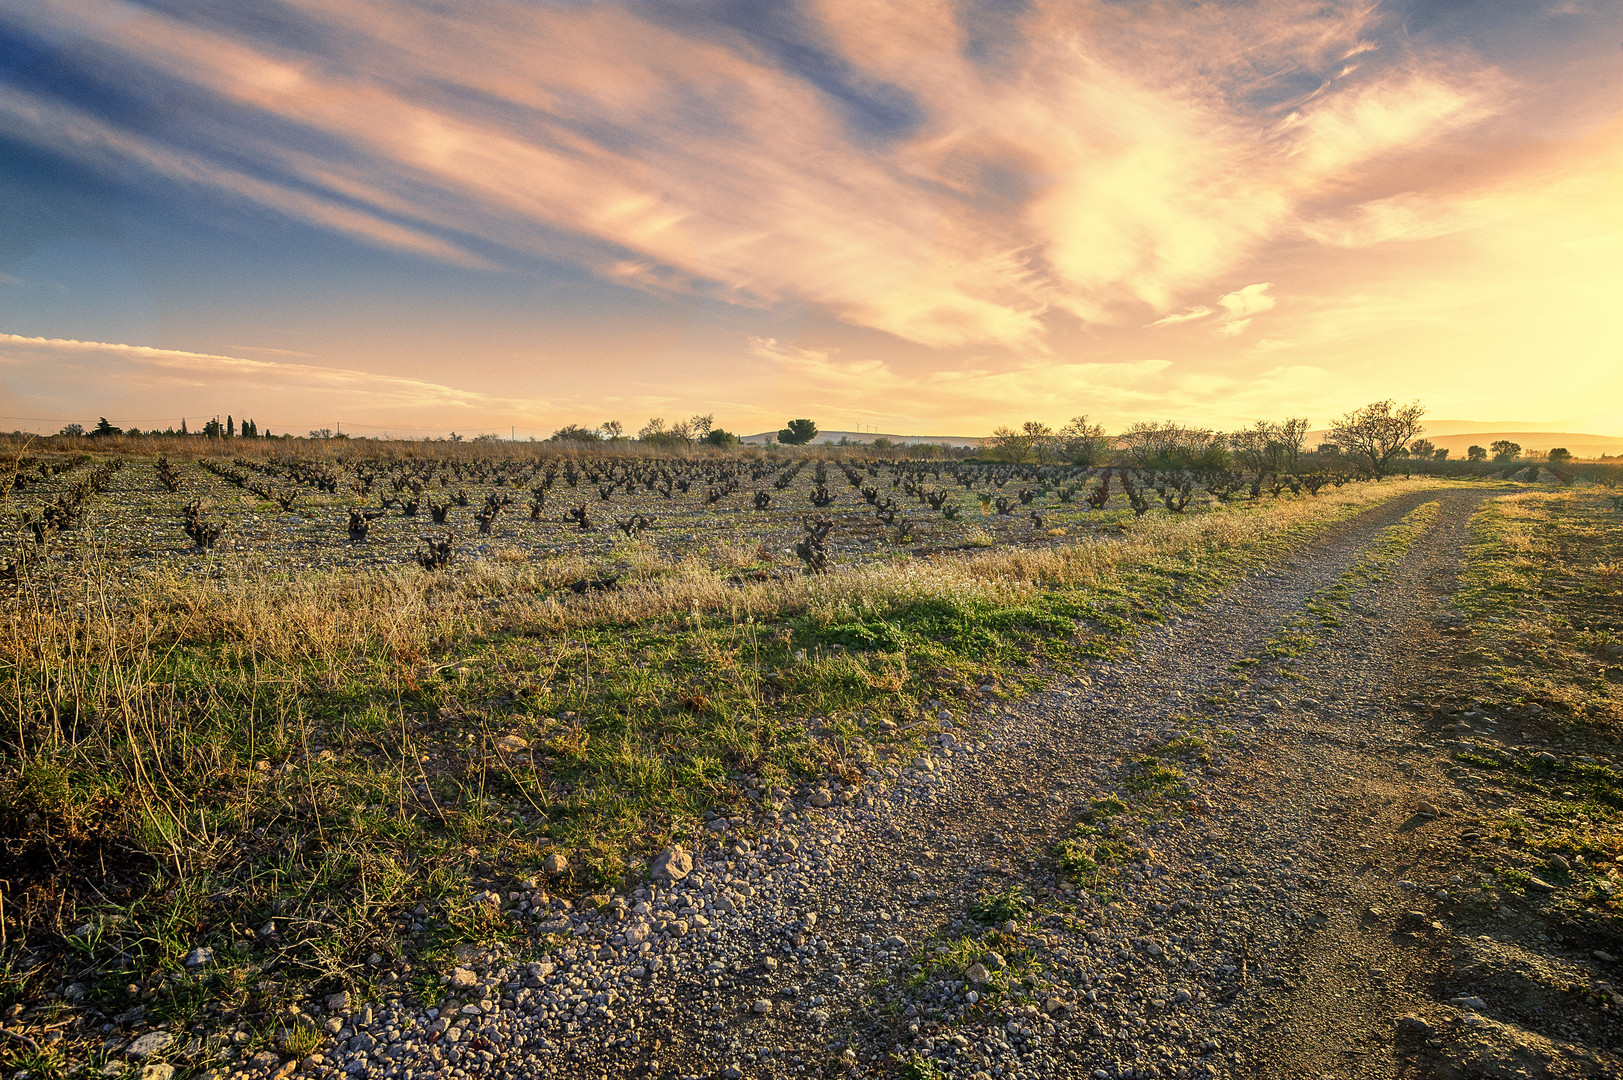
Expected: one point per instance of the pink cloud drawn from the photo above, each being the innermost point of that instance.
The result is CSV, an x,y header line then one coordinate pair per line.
x,y
671,162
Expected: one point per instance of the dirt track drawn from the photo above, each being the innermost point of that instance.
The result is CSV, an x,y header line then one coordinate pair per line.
x,y
1335,953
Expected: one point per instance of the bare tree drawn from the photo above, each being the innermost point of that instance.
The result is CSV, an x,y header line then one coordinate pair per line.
x,y
1270,447
1290,435
1254,447
1083,443
1378,432
1031,443
1147,445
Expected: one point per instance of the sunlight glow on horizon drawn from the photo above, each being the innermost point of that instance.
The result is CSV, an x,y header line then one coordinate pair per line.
x,y
876,214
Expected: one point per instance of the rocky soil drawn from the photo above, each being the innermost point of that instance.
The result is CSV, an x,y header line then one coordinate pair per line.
x,y
136,522
1264,877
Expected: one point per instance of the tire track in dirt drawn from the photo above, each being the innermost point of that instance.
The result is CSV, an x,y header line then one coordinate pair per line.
x,y
1059,746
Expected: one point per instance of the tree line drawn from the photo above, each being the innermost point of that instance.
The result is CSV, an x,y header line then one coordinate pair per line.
x,y
699,429
212,429
1373,436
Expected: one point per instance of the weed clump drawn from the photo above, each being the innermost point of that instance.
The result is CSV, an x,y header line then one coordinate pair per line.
x,y
1009,904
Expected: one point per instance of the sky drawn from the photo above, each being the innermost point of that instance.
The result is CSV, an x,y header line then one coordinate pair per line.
x,y
409,217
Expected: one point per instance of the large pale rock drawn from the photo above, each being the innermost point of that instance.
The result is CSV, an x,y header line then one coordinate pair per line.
x,y
672,864
150,1043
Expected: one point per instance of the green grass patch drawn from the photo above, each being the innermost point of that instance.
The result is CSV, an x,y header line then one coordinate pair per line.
x,y
1005,905
1540,593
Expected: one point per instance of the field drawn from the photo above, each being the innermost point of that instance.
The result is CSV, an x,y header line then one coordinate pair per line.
x,y
264,741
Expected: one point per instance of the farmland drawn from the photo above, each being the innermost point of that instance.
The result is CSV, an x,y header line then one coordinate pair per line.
x,y
282,725
606,513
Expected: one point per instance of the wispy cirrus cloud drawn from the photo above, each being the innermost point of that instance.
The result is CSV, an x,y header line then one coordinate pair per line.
x,y
1234,310
1242,305
42,376
1194,314
77,133
899,179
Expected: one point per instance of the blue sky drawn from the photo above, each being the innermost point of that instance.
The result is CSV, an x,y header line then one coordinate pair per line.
x,y
918,216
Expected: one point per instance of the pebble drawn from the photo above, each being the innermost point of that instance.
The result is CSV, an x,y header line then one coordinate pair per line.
x,y
151,1043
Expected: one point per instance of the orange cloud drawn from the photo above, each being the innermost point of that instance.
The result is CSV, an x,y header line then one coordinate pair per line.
x,y
45,374
674,162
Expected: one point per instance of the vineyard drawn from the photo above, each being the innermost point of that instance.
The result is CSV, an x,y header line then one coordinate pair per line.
x,y
760,515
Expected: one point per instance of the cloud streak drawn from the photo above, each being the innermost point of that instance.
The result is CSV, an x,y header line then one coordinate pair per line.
x,y
1117,160
39,374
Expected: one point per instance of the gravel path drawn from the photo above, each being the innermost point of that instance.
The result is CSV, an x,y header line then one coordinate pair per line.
x,y
1272,911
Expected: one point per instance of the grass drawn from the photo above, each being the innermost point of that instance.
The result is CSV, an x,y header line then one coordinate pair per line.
x,y
1326,608
1101,840
1011,904
192,760
1012,971
1542,599
1545,599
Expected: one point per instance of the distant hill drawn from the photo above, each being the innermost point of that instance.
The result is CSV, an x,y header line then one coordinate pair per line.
x,y
1457,435
1480,427
824,438
1580,445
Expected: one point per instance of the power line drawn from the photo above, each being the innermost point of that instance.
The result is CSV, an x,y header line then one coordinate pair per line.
x,y
71,420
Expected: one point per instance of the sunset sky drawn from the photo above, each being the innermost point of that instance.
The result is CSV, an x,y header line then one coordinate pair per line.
x,y
920,216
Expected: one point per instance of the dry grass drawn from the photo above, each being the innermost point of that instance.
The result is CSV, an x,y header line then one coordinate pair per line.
x,y
329,616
